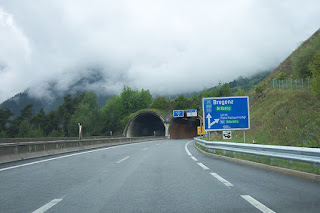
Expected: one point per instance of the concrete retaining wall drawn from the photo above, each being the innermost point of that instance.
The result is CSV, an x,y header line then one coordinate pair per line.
x,y
46,139
22,151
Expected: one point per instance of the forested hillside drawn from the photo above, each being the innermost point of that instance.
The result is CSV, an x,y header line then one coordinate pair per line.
x,y
289,116
83,108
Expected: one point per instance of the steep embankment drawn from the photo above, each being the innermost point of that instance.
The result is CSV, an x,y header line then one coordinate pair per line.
x,y
287,116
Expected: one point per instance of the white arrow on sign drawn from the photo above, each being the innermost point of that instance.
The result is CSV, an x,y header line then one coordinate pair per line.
x,y
215,121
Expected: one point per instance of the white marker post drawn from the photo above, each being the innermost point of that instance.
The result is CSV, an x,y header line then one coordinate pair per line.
x,y
80,131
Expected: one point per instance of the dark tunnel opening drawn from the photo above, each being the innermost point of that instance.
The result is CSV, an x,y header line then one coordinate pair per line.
x,y
146,125
184,127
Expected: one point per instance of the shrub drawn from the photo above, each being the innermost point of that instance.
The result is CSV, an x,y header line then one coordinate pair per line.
x,y
282,76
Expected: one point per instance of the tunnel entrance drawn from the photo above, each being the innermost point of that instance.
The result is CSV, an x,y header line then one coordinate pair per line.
x,y
184,127
146,124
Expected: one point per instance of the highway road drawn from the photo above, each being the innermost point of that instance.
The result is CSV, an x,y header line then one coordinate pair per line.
x,y
155,176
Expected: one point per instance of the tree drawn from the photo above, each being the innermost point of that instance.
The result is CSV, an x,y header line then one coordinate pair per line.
x,y
314,66
6,122
27,130
282,76
145,99
39,120
181,102
53,124
160,102
67,109
111,115
224,91
133,100
88,114
303,56
240,92
25,114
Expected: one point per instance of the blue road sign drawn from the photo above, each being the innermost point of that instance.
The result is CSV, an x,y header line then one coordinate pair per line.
x,y
226,113
178,113
192,113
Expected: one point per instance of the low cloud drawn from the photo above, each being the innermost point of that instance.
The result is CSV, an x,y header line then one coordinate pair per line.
x,y
165,46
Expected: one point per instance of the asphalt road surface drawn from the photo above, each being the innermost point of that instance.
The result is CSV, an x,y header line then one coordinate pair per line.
x,y
156,176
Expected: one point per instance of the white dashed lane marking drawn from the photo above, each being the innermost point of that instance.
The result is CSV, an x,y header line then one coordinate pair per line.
x,y
193,158
203,166
221,179
47,206
257,204
123,159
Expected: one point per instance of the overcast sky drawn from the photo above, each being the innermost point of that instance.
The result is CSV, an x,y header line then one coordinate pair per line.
x,y
166,46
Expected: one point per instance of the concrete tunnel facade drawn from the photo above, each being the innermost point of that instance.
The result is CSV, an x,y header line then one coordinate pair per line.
x,y
151,123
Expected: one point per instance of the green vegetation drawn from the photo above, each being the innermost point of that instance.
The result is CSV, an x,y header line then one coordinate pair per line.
x,y
287,117
282,76
314,67
280,117
83,108
302,57
289,164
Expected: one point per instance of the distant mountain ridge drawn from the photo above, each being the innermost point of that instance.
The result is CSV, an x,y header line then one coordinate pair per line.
x,y
16,103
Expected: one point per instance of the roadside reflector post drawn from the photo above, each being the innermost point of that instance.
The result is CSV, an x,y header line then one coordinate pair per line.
x,y
80,130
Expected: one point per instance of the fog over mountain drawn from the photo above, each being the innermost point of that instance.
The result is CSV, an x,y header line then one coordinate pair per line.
x,y
168,47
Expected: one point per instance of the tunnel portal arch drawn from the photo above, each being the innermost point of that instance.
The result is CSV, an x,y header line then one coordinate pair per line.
x,y
146,123
184,127
151,123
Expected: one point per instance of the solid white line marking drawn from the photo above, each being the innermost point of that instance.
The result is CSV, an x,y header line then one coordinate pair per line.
x,y
193,158
123,159
203,166
257,204
221,179
47,206
186,148
145,148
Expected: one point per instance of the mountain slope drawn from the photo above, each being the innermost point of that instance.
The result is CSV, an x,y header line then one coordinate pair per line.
x,y
287,117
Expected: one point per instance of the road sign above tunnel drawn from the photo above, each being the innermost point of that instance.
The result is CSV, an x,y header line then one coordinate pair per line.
x,y
178,113
226,113
192,113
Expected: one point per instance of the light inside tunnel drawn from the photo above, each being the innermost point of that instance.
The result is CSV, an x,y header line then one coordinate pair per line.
x,y
184,127
146,125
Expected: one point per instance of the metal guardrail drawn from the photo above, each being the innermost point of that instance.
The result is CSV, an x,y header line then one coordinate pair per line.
x,y
310,155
